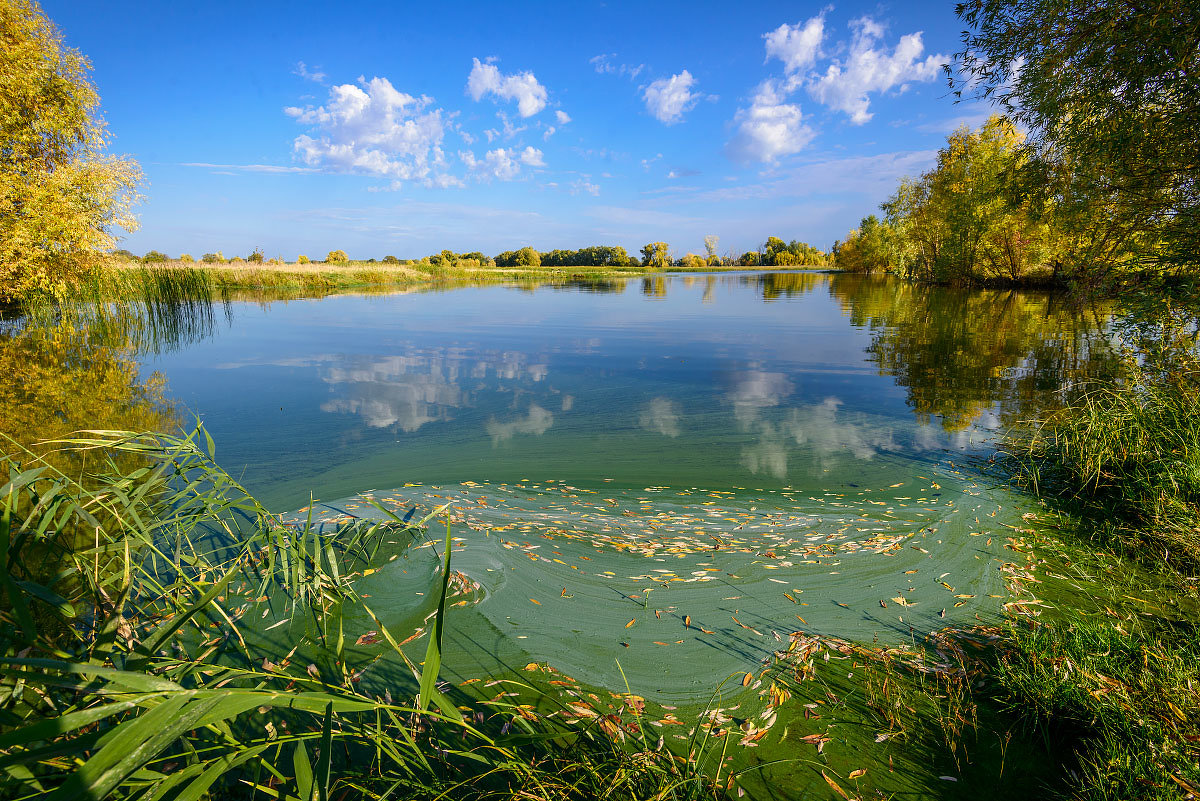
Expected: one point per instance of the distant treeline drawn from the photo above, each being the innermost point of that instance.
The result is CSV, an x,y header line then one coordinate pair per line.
x,y
657,255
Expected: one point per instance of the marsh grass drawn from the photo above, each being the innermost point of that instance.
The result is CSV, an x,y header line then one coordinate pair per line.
x,y
1114,670
130,668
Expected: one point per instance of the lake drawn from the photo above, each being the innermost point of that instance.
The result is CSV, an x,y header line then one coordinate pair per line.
x,y
653,483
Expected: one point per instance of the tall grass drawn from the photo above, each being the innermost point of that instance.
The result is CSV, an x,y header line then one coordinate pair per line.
x,y
131,667
1115,670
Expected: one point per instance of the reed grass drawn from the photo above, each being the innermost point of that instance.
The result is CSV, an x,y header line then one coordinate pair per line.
x,y
1114,671
128,664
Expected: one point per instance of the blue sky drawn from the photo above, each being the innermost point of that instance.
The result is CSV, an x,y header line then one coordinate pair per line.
x,y
402,128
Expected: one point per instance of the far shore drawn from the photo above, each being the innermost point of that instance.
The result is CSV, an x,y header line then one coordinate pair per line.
x,y
326,277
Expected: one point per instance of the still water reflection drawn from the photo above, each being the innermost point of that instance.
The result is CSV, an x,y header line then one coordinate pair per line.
x,y
762,379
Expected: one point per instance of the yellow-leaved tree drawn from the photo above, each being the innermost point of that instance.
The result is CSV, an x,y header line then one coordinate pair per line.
x,y
62,197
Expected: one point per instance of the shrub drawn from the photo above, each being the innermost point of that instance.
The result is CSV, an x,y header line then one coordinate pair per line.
x,y
256,256
154,257
390,260
213,258
187,258
337,257
693,262
302,259
124,254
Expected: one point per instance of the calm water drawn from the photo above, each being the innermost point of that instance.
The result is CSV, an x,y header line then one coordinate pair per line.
x,y
675,472
761,453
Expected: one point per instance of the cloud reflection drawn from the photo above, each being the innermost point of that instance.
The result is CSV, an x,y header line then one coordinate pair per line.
x,y
662,416
536,422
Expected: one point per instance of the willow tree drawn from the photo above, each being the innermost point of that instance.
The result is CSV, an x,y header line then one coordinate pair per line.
x,y
1110,93
62,197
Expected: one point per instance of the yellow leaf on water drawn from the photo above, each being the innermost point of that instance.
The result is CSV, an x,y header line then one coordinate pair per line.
x,y
630,623
749,677
837,788
534,601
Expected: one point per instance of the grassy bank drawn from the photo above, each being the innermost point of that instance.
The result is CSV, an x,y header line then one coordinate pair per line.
x,y
132,281
1114,669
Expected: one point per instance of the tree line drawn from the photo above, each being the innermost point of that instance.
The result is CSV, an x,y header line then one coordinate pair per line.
x,y
655,255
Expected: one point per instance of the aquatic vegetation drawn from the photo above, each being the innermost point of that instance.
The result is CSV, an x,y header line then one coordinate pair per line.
x,y
137,666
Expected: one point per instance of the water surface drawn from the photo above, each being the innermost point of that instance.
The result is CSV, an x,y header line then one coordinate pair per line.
x,y
680,473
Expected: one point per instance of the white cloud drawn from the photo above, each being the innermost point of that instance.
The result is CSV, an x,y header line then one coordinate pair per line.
x,y
582,185
503,164
668,99
845,84
773,127
769,129
374,129
532,157
522,87
562,116
604,66
549,133
308,75
796,46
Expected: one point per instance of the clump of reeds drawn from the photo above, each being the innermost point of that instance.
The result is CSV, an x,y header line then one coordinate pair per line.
x,y
131,662
1115,671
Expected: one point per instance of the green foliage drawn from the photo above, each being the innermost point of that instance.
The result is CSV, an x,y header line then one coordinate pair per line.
x,y
256,256
154,257
777,253
963,221
61,196
656,255
595,256
1128,452
186,258
693,262
1110,94
525,257
124,255
870,248
387,260
337,257
213,258
749,259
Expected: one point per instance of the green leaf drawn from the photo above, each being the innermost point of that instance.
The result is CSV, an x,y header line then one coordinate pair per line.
x,y
60,604
326,754
433,652
304,774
